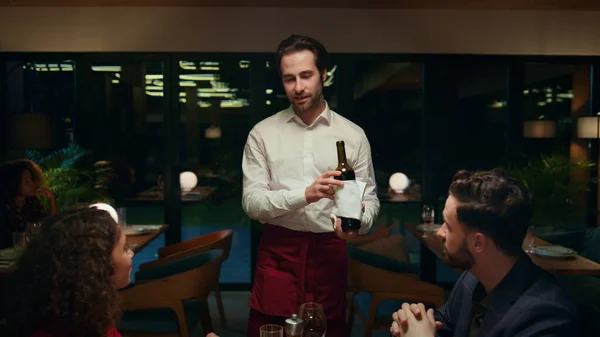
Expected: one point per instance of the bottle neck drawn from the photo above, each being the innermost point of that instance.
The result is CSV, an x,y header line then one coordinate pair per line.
x,y
341,153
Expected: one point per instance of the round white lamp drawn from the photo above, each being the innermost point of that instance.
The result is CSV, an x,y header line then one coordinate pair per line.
x,y
399,182
108,208
187,181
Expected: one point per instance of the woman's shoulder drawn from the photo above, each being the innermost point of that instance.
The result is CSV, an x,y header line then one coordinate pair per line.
x,y
44,332
113,332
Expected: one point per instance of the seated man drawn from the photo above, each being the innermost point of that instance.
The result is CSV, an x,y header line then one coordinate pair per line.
x,y
502,293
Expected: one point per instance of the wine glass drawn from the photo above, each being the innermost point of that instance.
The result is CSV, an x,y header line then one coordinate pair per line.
x,y
428,216
315,323
271,330
160,184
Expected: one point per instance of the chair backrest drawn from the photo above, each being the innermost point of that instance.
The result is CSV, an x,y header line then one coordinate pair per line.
x,y
178,266
190,277
216,240
393,247
382,276
381,261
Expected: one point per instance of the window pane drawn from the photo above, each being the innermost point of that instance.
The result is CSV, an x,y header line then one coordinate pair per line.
x,y
120,120
214,96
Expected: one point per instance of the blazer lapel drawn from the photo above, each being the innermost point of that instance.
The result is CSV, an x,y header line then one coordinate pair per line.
x,y
508,291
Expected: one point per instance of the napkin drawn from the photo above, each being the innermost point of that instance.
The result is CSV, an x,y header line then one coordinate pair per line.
x,y
348,199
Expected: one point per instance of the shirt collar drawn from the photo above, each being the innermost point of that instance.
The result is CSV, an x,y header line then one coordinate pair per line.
x,y
324,117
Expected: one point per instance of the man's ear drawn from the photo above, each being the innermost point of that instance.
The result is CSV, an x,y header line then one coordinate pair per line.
x,y
323,75
479,242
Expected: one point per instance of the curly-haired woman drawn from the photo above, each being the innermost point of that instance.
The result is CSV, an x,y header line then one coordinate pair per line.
x,y
22,187
66,282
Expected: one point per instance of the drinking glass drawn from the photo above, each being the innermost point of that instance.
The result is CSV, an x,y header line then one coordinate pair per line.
x,y
530,240
19,242
271,330
428,216
160,184
32,230
122,216
315,323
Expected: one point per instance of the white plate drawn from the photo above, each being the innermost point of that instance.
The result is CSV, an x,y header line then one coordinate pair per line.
x,y
559,252
147,227
428,228
10,254
135,231
141,229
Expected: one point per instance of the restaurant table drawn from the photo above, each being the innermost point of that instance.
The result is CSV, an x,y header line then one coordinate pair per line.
x,y
432,246
137,242
154,195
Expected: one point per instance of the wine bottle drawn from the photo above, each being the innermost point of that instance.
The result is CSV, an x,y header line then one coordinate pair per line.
x,y
348,224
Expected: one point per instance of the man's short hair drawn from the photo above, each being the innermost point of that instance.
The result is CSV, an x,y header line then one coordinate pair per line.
x,y
296,43
494,204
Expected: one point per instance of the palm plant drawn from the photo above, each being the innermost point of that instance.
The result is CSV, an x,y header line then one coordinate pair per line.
x,y
71,179
549,179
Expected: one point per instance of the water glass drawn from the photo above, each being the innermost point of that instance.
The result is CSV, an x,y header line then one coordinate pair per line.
x,y
160,184
122,216
19,241
271,330
530,240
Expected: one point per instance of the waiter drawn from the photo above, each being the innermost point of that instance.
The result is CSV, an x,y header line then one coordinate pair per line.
x,y
289,168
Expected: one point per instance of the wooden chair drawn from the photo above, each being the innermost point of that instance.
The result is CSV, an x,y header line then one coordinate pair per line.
x,y
216,240
166,295
379,285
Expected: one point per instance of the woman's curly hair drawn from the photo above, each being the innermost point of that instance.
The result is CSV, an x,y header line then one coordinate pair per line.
x,y
62,283
10,178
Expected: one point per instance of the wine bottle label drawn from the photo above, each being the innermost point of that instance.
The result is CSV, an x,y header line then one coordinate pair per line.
x,y
348,199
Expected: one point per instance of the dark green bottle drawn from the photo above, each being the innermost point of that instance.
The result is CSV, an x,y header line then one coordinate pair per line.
x,y
348,224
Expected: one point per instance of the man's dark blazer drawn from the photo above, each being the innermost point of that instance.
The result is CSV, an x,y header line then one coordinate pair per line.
x,y
526,303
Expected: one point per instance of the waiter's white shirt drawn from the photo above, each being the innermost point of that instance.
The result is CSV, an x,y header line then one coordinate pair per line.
x,y
283,156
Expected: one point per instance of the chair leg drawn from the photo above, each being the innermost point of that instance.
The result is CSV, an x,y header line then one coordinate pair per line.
x,y
370,321
350,317
220,307
205,319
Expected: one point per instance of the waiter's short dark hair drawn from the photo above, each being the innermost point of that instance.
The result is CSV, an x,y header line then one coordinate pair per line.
x,y
495,204
296,43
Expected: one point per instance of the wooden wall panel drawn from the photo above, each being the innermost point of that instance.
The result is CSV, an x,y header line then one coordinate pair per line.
x,y
408,4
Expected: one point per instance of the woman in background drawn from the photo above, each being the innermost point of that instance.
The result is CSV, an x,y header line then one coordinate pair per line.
x,y
66,282
22,190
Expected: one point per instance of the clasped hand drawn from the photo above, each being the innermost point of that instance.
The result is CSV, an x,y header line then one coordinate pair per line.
x,y
414,321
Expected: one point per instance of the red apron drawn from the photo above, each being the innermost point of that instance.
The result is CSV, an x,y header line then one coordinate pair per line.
x,y
295,267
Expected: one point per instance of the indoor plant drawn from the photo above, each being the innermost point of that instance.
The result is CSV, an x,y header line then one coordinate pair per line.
x,y
72,179
549,179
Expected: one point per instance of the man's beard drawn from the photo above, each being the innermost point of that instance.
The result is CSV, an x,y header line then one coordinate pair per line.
x,y
462,259
313,102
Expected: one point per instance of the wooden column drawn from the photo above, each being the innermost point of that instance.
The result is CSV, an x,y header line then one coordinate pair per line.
x,y
578,148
